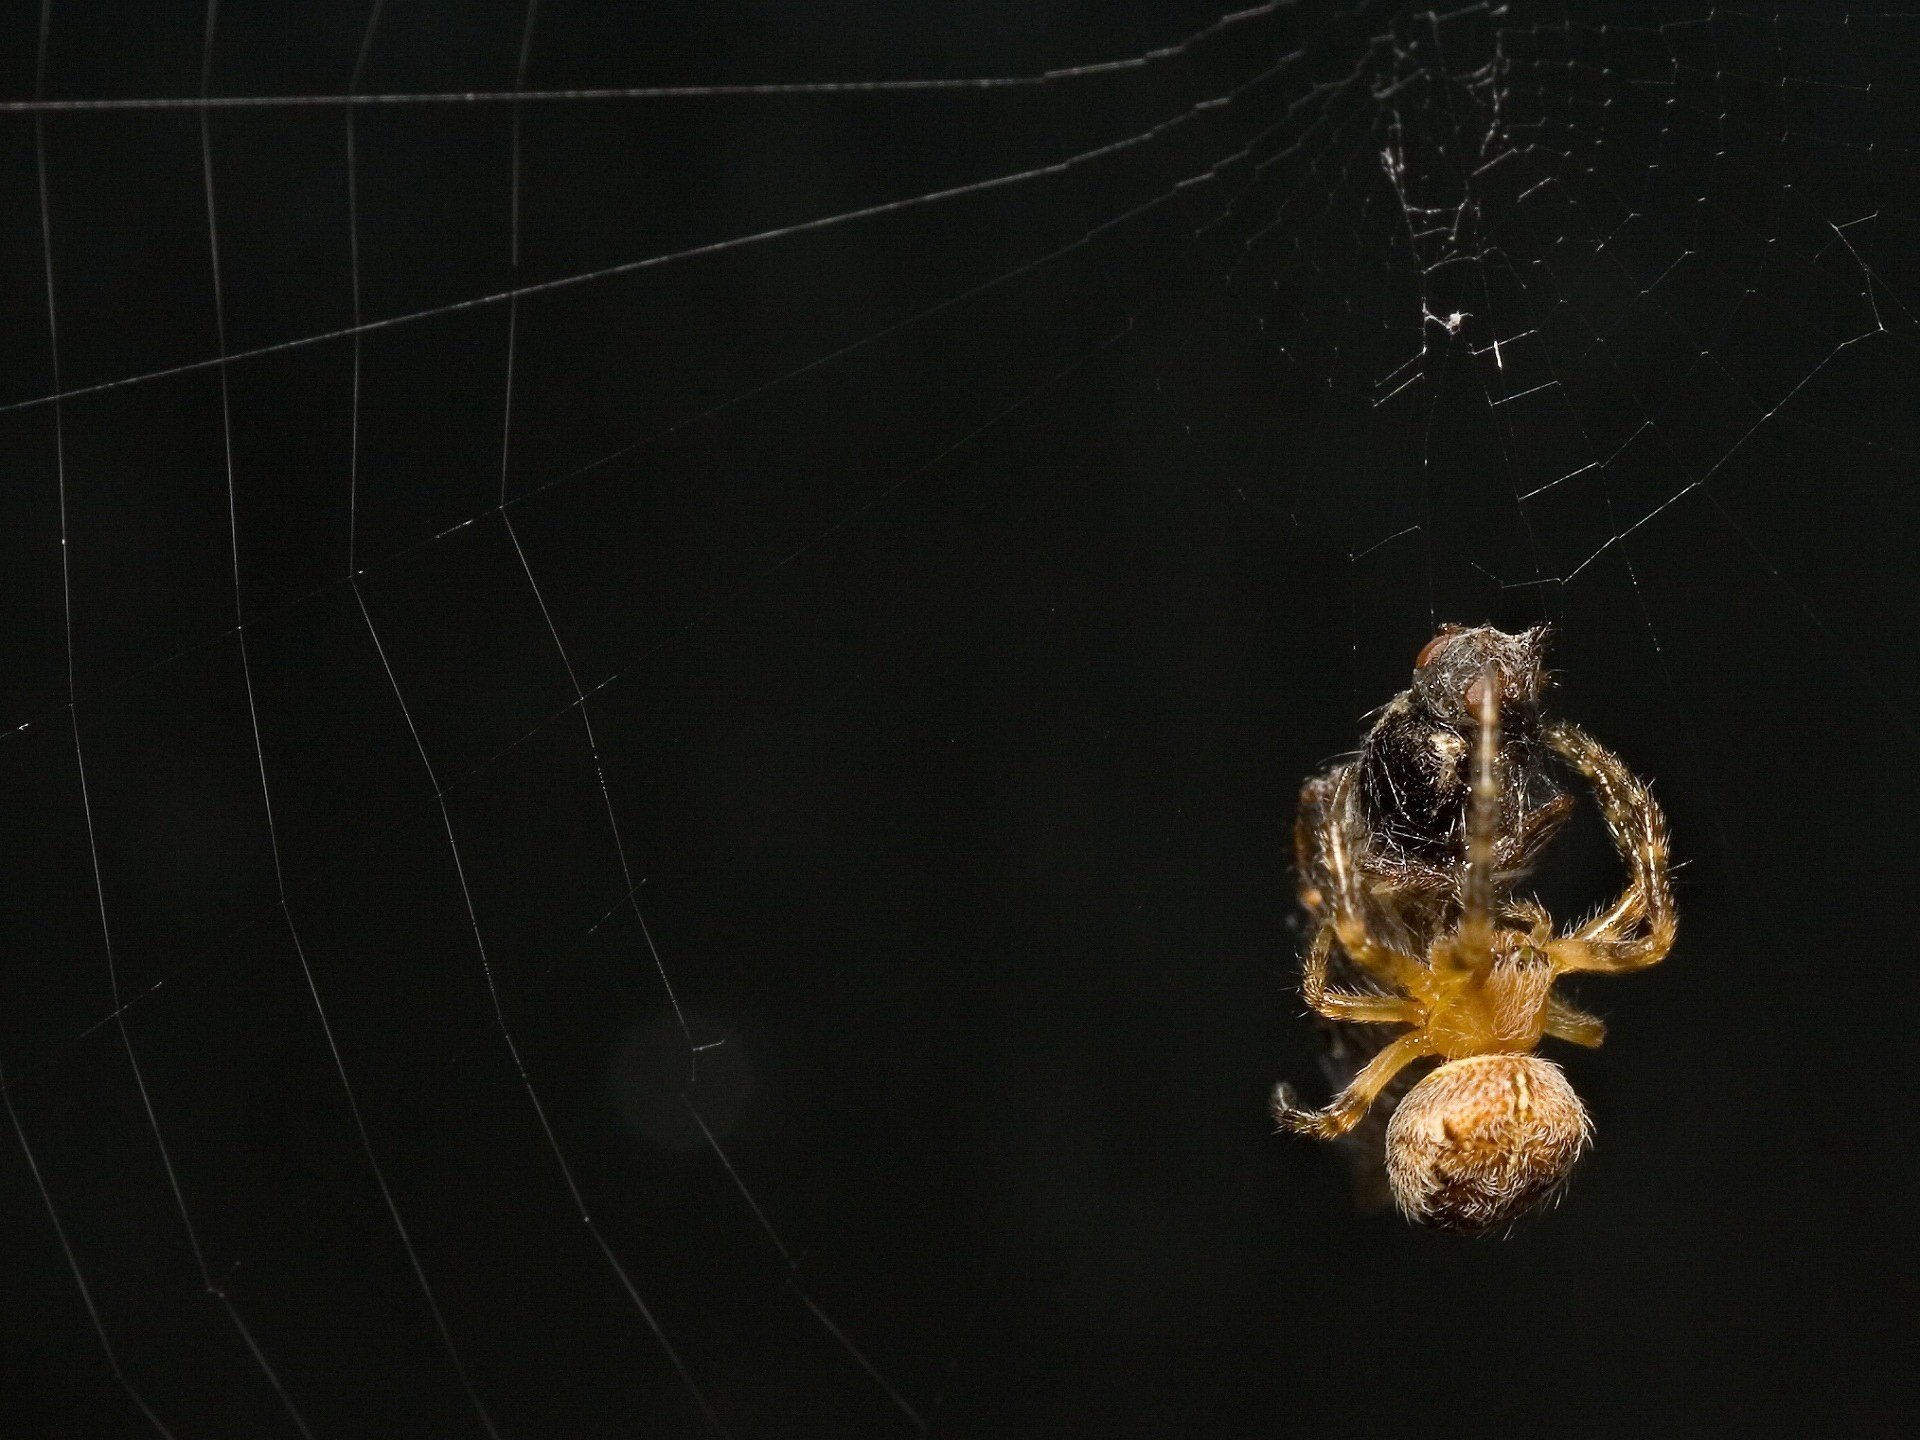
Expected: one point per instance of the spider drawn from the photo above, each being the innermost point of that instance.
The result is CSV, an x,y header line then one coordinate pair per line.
x,y
1405,814
1444,950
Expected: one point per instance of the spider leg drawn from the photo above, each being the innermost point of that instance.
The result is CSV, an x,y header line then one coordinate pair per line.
x,y
1530,916
1617,920
1568,1022
1474,946
1351,1104
1609,942
1347,905
1345,1004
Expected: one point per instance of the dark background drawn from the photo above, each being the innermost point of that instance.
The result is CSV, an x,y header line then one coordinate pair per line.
x,y
959,596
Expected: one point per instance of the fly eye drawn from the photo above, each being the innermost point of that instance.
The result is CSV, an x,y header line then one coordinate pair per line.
x,y
1427,650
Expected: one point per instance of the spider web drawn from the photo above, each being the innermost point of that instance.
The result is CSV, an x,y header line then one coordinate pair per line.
x,y
656,659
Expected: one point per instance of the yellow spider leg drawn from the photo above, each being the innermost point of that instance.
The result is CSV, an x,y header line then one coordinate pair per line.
x,y
1346,1004
1569,1022
1639,831
1617,920
1351,1104
1473,945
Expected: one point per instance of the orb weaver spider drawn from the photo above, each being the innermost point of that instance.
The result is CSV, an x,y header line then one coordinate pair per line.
x,y
1468,970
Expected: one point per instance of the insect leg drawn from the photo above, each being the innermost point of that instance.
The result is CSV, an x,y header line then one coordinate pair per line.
x,y
1537,829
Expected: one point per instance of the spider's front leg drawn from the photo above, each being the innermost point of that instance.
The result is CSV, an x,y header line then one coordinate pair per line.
x,y
1639,830
1309,837
1351,1104
1474,947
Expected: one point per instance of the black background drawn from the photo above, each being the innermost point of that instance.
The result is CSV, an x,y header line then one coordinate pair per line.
x,y
968,591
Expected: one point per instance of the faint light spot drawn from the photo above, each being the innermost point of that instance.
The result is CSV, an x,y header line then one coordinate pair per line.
x,y
648,1080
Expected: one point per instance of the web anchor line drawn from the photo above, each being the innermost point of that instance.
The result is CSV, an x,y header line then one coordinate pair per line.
x,y
360,328
1112,224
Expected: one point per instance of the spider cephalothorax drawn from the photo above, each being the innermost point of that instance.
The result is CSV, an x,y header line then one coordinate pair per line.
x,y
1437,944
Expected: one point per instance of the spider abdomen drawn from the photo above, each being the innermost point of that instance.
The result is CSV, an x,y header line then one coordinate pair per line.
x,y
1481,1141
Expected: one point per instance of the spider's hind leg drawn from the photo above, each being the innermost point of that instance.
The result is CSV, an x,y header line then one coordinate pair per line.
x,y
1350,1104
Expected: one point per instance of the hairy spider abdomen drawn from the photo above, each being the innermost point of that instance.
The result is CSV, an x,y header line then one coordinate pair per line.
x,y
1481,1141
